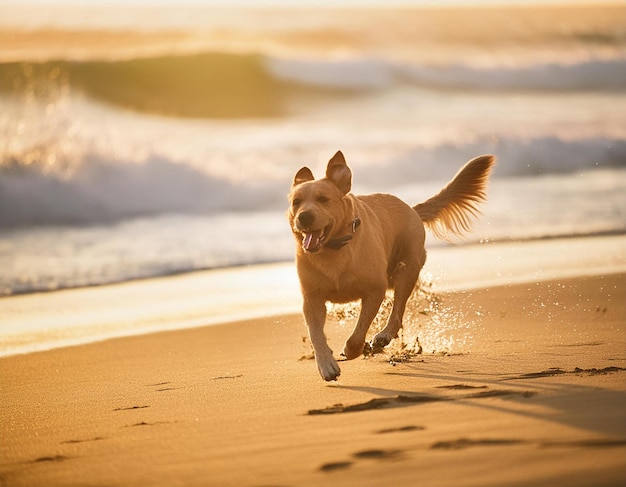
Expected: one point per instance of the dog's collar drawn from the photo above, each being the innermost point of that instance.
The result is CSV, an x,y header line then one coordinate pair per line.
x,y
340,242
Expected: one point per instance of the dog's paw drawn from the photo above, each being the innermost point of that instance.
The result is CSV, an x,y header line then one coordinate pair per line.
x,y
328,367
353,349
379,342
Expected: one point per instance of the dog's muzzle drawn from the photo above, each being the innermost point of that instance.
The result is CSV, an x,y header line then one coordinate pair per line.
x,y
313,240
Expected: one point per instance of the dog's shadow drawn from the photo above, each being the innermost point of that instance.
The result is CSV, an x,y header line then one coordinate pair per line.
x,y
552,401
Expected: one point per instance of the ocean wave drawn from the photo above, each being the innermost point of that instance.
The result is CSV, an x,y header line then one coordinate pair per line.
x,y
515,158
209,85
100,188
593,75
359,74
348,74
228,85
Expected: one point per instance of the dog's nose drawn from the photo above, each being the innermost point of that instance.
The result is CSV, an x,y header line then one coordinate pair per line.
x,y
306,219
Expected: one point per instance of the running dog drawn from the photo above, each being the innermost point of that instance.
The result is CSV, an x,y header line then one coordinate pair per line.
x,y
351,247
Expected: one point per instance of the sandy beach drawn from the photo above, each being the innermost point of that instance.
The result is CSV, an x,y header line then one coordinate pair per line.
x,y
534,395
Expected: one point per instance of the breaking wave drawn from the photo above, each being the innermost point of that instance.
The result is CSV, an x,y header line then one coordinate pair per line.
x,y
98,189
229,85
600,75
102,190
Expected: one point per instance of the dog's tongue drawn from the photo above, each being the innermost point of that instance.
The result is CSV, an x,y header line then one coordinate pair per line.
x,y
311,241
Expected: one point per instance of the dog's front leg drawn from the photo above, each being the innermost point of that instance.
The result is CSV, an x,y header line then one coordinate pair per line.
x,y
369,308
315,317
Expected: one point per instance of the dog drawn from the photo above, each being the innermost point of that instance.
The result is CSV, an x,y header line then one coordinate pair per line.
x,y
352,247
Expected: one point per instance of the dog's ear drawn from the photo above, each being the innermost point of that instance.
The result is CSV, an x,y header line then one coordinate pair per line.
x,y
302,176
339,173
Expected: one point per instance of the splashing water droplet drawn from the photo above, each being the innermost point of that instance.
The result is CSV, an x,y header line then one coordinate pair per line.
x,y
428,325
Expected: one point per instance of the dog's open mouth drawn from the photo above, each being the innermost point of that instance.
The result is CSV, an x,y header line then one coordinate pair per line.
x,y
312,240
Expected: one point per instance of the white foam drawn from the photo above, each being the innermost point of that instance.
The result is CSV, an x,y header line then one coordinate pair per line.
x,y
594,74
376,73
338,74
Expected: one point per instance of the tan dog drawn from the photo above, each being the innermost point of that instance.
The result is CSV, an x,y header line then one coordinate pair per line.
x,y
356,247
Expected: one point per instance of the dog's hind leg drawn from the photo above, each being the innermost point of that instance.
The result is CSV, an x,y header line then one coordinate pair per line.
x,y
404,278
369,308
315,316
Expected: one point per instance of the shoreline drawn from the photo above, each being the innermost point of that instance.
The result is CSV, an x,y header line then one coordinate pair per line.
x,y
433,244
70,317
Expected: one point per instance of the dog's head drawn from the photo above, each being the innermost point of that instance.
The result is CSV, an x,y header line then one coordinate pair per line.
x,y
318,208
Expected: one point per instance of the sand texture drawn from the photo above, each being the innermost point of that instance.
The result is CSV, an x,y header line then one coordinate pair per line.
x,y
536,396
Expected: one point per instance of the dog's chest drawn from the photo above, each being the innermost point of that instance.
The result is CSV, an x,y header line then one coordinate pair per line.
x,y
339,280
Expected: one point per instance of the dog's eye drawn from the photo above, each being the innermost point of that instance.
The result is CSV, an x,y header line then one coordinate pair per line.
x,y
322,199
296,202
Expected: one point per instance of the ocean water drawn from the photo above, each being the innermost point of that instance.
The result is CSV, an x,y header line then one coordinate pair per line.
x,y
136,145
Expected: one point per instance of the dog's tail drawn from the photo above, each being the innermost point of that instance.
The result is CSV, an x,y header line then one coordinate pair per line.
x,y
451,210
